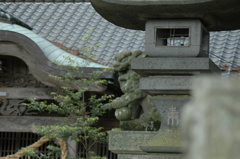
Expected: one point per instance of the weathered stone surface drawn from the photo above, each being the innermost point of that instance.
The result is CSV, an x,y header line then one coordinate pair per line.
x,y
211,121
168,139
128,106
215,14
151,156
166,84
170,108
127,145
128,142
25,123
163,66
133,108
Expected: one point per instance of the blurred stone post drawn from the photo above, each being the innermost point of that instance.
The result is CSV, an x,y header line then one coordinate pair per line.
x,y
211,121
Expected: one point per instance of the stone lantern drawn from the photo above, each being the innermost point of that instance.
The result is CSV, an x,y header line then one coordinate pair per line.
x,y
177,49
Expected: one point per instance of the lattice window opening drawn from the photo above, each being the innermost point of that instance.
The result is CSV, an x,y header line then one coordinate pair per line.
x,y
11,142
99,149
102,150
172,37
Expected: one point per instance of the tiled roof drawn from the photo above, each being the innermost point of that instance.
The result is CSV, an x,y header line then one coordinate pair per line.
x,y
225,48
52,52
8,17
68,24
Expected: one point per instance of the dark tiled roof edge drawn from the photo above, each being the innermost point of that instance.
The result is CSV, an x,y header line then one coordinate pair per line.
x,y
10,18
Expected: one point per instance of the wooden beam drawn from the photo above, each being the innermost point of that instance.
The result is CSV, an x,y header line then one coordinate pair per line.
x,y
25,93
26,123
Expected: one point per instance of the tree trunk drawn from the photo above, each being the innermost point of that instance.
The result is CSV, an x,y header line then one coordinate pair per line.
x,y
64,148
34,146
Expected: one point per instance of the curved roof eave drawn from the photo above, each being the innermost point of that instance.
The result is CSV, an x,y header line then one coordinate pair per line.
x,y
22,43
52,52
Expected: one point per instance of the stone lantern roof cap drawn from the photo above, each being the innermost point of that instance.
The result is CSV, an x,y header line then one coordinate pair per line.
x,y
217,15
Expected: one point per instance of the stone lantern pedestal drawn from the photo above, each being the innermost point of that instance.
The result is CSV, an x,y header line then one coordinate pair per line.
x,y
176,52
168,80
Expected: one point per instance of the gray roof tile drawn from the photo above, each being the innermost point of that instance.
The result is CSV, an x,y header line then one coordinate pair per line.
x,y
70,23
52,52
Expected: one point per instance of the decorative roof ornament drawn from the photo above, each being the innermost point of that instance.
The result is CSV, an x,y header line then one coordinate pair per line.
x,y
216,15
5,16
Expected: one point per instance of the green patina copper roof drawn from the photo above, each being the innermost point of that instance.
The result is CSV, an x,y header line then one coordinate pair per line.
x,y
52,52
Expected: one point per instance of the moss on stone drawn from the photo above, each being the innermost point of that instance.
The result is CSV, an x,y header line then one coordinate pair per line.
x,y
167,137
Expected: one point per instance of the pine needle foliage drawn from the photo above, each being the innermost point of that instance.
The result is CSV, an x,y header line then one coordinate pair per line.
x,y
82,114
